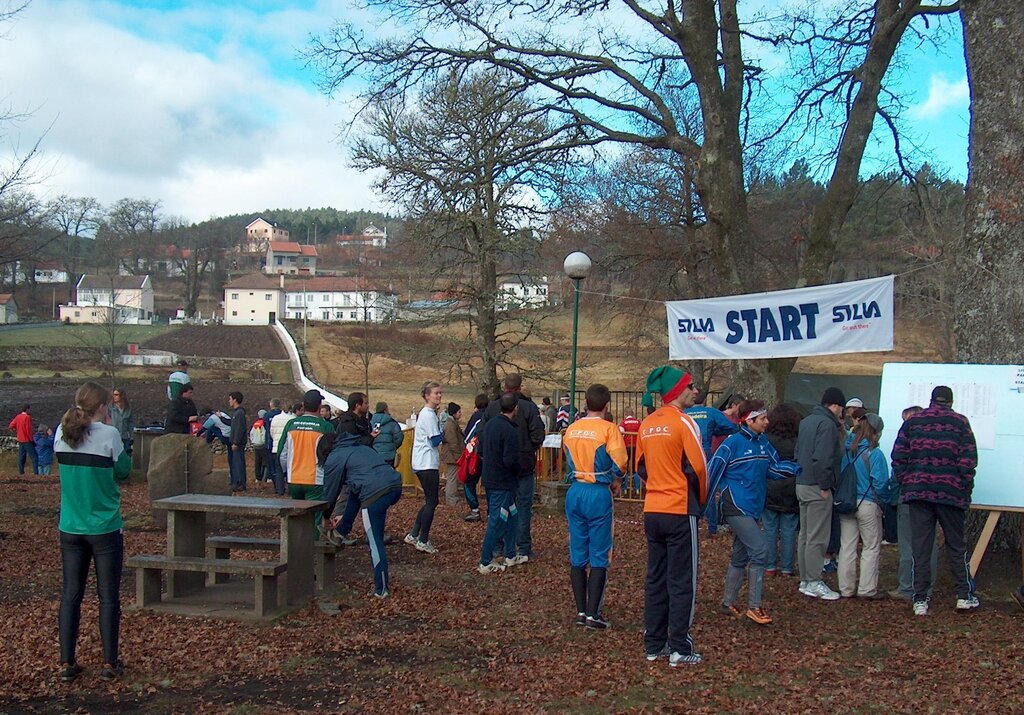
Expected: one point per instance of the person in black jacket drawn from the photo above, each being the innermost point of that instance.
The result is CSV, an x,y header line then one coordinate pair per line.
x,y
238,437
373,488
530,429
502,473
357,420
781,516
181,411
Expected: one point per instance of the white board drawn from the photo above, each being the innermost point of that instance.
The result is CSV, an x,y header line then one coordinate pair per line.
x,y
990,397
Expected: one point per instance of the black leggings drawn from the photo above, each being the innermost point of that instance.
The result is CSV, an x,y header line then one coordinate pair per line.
x,y
430,480
107,551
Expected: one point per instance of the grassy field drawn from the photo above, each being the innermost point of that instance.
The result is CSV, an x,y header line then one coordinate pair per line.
x,y
74,336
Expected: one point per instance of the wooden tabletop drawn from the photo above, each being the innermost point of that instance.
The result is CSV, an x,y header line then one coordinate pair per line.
x,y
239,505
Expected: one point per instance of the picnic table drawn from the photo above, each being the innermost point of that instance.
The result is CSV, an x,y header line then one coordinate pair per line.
x,y
187,564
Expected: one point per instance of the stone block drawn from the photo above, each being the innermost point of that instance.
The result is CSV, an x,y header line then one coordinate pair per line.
x,y
552,495
182,464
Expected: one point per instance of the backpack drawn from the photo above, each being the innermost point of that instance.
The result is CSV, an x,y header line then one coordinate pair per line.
x,y
844,498
469,462
257,434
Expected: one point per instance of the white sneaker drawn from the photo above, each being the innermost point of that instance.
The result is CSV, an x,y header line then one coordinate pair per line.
x,y
677,659
803,588
426,547
410,539
819,589
967,604
517,560
493,567
920,608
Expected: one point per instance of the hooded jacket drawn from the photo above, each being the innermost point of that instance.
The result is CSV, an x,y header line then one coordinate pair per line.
x,y
390,437
356,470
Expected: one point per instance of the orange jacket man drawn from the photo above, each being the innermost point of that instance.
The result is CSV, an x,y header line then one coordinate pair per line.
x,y
671,461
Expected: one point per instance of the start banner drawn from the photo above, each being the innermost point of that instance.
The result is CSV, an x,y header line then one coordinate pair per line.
x,y
849,317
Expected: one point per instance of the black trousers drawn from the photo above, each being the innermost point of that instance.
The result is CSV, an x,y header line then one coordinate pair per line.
x,y
77,552
923,518
670,593
430,480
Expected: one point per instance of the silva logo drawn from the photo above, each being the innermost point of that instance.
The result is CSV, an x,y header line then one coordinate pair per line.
x,y
696,325
856,311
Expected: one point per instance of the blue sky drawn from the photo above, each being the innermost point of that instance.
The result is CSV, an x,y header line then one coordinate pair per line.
x,y
207,107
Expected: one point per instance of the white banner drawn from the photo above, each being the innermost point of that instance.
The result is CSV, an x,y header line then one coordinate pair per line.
x,y
849,317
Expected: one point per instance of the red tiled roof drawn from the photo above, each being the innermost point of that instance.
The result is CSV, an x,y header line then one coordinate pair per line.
x,y
292,247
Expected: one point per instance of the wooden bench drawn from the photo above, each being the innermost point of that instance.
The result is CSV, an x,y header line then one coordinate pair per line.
x,y
220,547
150,568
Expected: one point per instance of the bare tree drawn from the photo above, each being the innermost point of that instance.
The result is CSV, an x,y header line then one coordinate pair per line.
x,y
621,85
467,164
76,218
132,225
195,252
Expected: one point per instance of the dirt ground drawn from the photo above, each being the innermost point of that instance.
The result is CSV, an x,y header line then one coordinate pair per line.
x,y
451,640
229,341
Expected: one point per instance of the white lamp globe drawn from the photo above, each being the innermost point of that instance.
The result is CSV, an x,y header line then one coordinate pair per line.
x,y
577,265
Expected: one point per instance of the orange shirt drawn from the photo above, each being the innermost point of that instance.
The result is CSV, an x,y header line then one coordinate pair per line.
x,y
669,449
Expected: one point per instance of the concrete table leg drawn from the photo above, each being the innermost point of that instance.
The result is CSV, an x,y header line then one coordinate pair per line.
x,y
186,536
297,552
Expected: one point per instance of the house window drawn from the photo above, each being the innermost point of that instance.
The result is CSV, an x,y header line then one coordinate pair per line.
x,y
352,315
279,260
268,296
78,314
252,311
234,313
309,297
338,315
326,315
347,300
234,296
327,297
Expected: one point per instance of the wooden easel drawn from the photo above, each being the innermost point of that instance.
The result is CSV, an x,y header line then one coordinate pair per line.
x,y
994,512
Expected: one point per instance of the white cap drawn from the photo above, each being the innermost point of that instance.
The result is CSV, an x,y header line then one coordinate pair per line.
x,y
855,402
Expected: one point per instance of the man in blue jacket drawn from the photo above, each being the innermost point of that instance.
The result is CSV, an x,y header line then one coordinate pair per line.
x,y
373,487
502,469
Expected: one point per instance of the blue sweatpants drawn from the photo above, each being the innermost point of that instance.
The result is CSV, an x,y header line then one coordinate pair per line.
x,y
373,517
588,509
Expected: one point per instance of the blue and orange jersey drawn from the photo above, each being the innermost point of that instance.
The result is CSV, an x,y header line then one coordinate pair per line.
x,y
670,458
297,449
594,451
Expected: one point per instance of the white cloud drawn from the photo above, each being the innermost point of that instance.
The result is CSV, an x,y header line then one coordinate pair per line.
x,y
944,95
208,132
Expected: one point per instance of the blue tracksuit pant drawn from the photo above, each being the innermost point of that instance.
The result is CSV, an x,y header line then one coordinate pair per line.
x,y
588,509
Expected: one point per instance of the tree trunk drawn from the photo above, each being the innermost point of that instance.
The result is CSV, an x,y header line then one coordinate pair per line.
x,y
988,310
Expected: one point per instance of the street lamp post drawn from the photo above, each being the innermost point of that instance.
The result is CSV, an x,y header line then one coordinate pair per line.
x,y
577,267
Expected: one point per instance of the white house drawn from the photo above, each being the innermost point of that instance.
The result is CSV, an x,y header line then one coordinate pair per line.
x,y
338,300
44,272
290,258
8,308
254,299
522,292
369,236
260,232
127,300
